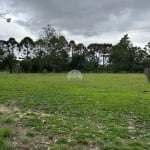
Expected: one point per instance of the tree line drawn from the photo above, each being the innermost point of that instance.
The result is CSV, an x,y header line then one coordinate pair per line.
x,y
53,53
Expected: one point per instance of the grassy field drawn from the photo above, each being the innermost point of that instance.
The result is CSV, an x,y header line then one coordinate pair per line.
x,y
48,112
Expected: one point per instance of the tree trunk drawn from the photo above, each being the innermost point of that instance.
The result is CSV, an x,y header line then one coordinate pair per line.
x,y
103,62
10,69
147,73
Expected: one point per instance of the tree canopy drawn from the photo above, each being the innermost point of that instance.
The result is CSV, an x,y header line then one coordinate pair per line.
x,y
52,52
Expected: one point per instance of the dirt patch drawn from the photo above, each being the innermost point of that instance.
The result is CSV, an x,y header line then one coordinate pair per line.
x,y
21,140
131,125
16,110
29,112
8,109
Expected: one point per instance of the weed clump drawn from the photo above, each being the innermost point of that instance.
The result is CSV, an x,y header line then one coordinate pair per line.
x,y
5,132
4,145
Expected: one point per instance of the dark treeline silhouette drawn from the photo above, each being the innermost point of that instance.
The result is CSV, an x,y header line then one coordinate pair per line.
x,y
53,53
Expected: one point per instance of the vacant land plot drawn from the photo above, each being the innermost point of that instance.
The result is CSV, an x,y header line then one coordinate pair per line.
x,y
48,112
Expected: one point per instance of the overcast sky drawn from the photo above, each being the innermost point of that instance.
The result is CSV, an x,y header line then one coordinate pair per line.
x,y
87,21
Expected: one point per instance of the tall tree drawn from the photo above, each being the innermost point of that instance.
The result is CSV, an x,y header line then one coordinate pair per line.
x,y
10,59
80,49
104,50
123,55
147,49
93,54
39,48
93,57
141,59
48,34
72,47
78,60
58,53
2,66
27,45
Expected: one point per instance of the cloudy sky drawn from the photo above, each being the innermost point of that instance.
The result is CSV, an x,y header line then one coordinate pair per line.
x,y
84,21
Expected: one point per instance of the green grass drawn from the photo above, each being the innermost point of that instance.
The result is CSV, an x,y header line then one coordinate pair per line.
x,y
5,133
103,111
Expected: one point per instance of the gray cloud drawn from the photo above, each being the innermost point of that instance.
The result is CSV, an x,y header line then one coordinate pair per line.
x,y
83,17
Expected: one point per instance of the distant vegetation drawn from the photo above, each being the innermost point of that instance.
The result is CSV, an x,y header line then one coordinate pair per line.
x,y
53,53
